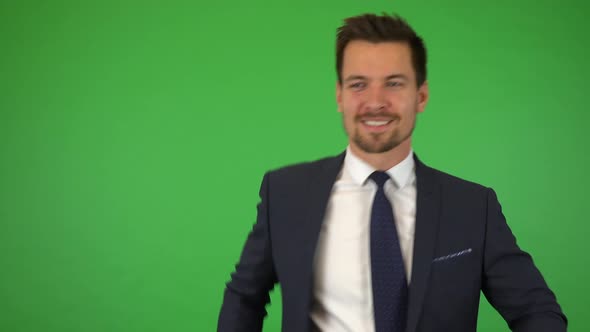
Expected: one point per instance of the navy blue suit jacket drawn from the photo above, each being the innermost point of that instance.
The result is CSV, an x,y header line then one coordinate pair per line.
x,y
462,246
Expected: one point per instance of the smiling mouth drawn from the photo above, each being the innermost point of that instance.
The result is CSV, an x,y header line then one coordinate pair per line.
x,y
376,123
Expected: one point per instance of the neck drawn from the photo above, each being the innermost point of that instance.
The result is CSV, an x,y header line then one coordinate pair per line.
x,y
385,160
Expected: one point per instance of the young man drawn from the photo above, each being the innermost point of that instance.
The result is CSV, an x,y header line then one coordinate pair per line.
x,y
373,239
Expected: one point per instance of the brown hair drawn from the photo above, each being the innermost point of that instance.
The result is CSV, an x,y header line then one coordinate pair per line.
x,y
378,29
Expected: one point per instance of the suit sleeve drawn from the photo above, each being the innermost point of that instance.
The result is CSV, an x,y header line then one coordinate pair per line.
x,y
512,283
247,293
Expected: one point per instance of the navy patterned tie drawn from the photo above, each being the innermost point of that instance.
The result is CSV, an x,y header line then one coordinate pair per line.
x,y
390,290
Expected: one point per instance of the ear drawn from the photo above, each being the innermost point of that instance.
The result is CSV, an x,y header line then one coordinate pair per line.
x,y
339,95
423,96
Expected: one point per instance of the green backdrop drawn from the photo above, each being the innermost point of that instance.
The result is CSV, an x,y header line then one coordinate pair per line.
x,y
126,127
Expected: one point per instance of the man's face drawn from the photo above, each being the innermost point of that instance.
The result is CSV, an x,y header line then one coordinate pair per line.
x,y
378,96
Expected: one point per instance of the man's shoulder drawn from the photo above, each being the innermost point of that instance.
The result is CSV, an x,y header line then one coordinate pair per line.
x,y
328,166
451,182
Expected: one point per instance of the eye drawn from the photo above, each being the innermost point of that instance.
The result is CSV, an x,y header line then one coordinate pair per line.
x,y
357,85
393,83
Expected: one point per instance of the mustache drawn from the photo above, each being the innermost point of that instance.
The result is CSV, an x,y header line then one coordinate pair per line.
x,y
376,115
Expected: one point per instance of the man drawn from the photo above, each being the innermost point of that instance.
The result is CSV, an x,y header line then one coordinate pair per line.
x,y
373,239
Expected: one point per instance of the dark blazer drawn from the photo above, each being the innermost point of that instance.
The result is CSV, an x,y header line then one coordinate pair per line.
x,y
462,246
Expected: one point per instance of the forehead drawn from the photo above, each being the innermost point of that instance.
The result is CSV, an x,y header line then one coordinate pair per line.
x,y
383,58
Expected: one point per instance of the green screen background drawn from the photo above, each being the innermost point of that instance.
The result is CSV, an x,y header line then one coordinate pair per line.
x,y
126,129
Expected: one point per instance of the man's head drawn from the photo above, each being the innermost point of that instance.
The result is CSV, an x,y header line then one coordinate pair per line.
x,y
381,65
381,29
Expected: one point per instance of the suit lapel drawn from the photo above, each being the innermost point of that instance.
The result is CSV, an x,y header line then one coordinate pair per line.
x,y
427,220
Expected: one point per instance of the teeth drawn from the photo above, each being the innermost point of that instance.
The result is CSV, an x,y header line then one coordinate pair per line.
x,y
376,123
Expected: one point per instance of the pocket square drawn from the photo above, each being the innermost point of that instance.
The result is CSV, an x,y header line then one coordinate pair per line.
x,y
453,255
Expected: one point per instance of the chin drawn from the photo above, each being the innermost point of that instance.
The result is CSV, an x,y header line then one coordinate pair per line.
x,y
374,145
380,147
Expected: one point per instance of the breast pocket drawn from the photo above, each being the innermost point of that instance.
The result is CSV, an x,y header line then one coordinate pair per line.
x,y
457,268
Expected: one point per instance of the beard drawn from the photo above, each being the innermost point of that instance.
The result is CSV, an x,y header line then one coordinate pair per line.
x,y
381,142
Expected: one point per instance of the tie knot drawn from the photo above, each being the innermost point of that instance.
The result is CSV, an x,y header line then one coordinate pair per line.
x,y
379,177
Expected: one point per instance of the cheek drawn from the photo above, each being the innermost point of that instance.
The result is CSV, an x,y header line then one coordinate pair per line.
x,y
350,104
348,117
398,98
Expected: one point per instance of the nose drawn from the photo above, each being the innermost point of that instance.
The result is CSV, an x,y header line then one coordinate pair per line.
x,y
376,100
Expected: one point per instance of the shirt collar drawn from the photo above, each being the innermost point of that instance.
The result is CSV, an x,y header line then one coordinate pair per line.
x,y
359,170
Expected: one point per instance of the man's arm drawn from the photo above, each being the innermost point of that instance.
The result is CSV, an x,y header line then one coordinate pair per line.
x,y
247,293
512,283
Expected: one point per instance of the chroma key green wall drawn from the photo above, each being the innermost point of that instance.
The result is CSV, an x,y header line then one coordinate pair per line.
x,y
126,128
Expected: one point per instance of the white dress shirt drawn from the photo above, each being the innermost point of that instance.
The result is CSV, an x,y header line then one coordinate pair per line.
x,y
343,297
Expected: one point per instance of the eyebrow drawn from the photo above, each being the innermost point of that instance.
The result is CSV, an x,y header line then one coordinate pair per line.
x,y
361,77
402,76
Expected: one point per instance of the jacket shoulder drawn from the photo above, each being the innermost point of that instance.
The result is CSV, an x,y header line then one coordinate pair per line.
x,y
302,170
454,183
